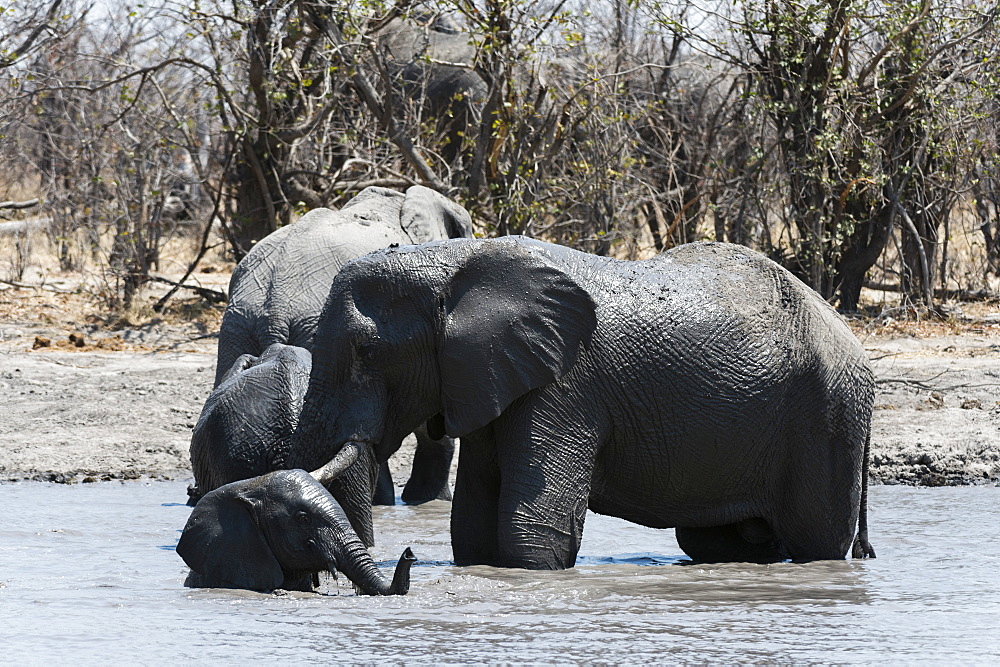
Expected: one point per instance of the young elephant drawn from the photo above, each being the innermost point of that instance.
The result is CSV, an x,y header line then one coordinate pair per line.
x,y
278,531
706,389
247,423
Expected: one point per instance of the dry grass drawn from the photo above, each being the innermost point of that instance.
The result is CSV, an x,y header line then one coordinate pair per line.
x,y
78,300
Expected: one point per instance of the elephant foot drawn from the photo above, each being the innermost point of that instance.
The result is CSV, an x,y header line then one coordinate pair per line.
x,y
431,468
750,541
417,492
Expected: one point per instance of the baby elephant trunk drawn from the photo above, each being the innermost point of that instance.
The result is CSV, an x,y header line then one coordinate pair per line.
x,y
361,570
401,579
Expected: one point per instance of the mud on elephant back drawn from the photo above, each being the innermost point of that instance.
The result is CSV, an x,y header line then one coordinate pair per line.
x,y
706,389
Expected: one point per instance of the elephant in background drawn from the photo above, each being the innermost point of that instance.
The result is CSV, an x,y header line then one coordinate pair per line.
x,y
434,61
277,293
706,389
278,531
278,290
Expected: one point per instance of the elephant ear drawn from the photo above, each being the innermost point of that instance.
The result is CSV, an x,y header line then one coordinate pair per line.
x,y
427,215
223,543
513,322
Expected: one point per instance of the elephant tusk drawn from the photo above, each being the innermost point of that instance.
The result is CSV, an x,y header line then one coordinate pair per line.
x,y
347,455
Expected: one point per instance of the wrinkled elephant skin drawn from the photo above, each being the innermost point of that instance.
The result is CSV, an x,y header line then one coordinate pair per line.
x,y
277,294
706,389
247,422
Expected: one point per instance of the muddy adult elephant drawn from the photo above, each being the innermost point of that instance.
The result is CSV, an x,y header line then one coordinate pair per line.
x,y
277,531
277,293
706,389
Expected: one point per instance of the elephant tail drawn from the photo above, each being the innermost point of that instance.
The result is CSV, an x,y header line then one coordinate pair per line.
x,y
862,547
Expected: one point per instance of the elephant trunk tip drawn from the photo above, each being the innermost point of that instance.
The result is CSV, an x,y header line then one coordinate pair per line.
x,y
401,579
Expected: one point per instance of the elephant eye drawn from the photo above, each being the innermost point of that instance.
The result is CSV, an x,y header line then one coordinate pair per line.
x,y
302,517
369,349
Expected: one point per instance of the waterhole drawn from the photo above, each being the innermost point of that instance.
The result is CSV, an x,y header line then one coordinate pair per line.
x,y
88,572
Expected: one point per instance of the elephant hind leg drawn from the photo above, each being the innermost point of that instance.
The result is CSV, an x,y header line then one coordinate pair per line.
x,y
750,541
816,530
431,469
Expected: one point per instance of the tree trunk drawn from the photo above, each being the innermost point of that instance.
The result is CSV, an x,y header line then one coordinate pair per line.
x,y
863,250
259,204
920,236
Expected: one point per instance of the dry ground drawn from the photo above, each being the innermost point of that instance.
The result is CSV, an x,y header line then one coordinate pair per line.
x,y
121,402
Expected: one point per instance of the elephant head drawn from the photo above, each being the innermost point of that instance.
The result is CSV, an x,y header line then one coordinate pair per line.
x,y
452,332
435,62
427,215
277,531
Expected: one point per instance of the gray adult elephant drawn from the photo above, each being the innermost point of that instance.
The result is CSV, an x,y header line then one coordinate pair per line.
x,y
277,531
706,389
278,290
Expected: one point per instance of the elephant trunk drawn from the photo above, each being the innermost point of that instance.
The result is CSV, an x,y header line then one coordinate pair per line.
x,y
358,566
401,577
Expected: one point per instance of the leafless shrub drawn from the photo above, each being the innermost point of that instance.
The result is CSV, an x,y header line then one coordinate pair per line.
x,y
843,139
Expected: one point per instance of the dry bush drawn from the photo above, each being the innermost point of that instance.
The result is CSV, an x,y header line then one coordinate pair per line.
x,y
848,141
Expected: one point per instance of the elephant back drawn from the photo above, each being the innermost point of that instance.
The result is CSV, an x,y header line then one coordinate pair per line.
x,y
745,280
747,301
729,318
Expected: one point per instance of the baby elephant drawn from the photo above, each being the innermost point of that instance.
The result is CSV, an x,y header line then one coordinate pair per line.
x,y
278,531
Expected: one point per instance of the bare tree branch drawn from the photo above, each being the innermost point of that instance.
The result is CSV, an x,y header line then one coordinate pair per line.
x,y
19,204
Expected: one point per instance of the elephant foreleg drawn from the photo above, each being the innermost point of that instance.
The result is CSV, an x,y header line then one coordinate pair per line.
x,y
431,469
474,510
385,490
546,477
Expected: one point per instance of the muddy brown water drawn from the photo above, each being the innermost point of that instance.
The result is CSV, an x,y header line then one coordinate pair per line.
x,y
88,573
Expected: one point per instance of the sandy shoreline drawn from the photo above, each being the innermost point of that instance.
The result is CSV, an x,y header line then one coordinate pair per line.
x,y
81,415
